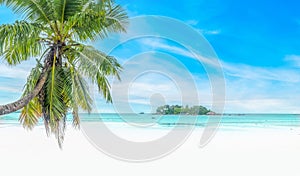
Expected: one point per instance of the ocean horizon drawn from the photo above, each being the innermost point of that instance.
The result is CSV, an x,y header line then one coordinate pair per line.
x,y
240,120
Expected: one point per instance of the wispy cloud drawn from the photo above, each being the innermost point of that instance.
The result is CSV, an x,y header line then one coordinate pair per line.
x,y
261,73
13,72
209,32
192,22
249,88
235,69
203,31
160,44
212,32
12,79
10,89
163,76
270,105
294,60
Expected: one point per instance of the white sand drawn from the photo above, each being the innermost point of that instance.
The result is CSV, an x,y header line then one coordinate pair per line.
x,y
250,152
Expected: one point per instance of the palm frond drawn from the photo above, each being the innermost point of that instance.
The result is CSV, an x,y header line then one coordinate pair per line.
x,y
54,104
64,9
116,19
81,96
76,93
55,98
54,101
97,66
39,11
98,62
33,78
103,86
76,118
56,28
19,41
32,112
97,21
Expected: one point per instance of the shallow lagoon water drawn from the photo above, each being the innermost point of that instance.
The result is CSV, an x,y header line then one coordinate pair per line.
x,y
151,120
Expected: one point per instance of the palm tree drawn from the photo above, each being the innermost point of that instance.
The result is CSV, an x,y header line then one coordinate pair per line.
x,y
55,31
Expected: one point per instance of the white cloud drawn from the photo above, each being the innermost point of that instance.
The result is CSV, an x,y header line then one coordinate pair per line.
x,y
209,32
212,32
234,69
159,44
10,89
271,105
13,72
248,88
164,76
258,73
192,22
294,60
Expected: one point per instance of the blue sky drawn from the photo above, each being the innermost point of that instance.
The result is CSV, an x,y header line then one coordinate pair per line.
x,y
257,43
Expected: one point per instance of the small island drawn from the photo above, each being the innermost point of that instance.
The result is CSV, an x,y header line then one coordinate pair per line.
x,y
177,109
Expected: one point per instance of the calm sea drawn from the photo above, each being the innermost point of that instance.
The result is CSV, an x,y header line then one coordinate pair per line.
x,y
234,120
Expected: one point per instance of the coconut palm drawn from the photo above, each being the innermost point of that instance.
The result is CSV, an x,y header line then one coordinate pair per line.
x,y
54,32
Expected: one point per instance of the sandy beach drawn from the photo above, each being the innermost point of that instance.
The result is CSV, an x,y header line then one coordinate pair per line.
x,y
253,151
140,75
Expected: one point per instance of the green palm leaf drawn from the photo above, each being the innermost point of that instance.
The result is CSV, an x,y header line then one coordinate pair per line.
x,y
19,41
54,31
97,66
54,104
40,11
32,112
97,21
116,19
64,9
54,101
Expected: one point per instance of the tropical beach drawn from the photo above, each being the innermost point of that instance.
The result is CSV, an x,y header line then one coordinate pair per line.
x,y
104,87
233,151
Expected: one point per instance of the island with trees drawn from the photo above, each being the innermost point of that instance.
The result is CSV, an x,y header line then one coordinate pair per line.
x,y
177,109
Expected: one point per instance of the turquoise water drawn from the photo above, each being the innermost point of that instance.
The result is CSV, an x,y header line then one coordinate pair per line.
x,y
248,120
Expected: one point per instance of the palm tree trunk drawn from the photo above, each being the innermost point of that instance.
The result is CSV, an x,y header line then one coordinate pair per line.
x,y
19,104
